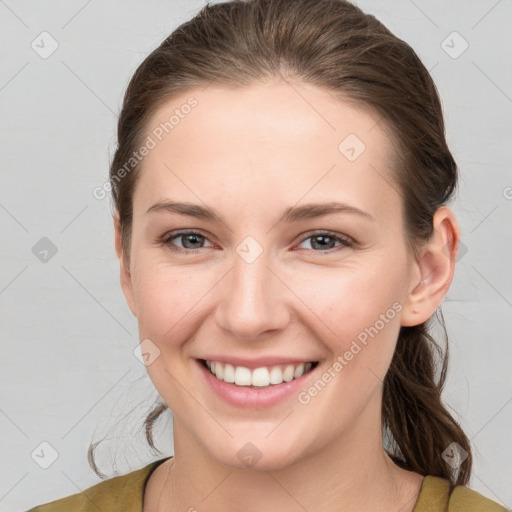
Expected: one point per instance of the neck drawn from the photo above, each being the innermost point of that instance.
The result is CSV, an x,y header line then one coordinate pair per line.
x,y
351,472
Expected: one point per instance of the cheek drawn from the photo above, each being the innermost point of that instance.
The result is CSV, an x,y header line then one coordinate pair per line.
x,y
363,318
165,298
351,299
338,304
357,314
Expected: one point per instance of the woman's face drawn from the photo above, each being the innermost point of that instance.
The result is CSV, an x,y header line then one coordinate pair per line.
x,y
256,288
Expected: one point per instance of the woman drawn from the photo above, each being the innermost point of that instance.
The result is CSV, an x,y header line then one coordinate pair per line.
x,y
280,188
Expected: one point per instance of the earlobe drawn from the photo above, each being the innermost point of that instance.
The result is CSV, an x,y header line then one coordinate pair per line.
x,y
435,268
124,267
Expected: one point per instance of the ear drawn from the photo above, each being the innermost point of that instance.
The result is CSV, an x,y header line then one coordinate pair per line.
x,y
125,275
434,269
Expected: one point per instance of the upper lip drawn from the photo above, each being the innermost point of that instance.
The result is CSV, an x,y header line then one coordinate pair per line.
x,y
258,362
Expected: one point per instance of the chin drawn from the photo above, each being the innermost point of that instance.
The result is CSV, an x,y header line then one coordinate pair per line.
x,y
255,455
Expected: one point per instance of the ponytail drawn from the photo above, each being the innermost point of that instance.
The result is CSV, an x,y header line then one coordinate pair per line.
x,y
413,411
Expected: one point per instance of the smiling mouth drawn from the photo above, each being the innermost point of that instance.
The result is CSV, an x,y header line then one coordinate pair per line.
x,y
264,376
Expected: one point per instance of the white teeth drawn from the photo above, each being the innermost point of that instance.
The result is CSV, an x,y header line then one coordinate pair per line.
x,y
229,373
288,373
299,370
276,375
242,376
219,371
260,377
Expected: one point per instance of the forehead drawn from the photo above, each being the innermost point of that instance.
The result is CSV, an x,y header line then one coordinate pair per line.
x,y
275,140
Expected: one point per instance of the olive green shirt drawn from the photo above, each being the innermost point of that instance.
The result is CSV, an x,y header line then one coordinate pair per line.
x,y
125,493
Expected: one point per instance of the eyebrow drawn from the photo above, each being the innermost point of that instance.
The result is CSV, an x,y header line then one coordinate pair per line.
x,y
291,214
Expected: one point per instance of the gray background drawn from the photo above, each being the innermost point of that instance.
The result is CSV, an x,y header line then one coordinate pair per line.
x,y
68,371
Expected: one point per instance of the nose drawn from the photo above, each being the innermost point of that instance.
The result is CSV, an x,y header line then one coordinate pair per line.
x,y
254,300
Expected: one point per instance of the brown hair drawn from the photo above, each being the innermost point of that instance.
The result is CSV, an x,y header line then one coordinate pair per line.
x,y
334,45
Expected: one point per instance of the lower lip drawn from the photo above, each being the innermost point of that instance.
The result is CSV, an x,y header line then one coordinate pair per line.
x,y
254,397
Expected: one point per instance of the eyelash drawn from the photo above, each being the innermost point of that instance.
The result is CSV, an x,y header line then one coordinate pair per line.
x,y
166,240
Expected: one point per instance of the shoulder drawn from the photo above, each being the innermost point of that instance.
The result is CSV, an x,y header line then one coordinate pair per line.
x,y
438,494
464,499
120,493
